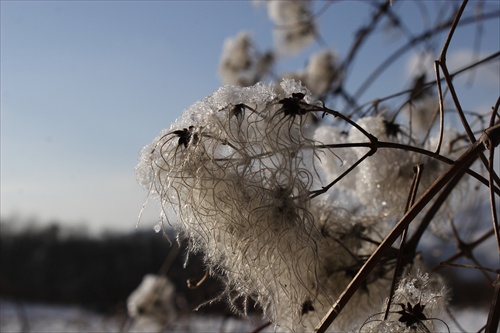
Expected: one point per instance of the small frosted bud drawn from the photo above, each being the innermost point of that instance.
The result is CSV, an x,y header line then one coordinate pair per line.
x,y
418,301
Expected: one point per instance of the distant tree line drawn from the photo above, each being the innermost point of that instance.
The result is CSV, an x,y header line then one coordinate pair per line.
x,y
50,265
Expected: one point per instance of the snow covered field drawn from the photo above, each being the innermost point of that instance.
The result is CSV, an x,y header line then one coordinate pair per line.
x,y
32,317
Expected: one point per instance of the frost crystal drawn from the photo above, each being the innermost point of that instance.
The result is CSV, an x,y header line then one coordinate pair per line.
x,y
418,301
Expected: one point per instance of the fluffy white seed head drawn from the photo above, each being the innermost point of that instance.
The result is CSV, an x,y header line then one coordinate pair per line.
x,y
320,72
383,181
153,300
295,27
234,169
235,58
237,169
422,114
241,64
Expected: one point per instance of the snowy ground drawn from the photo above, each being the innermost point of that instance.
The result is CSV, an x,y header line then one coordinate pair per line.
x,y
33,317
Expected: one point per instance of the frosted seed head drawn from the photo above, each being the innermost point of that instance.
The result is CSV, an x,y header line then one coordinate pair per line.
x,y
235,58
321,72
153,300
238,175
295,28
241,64
422,114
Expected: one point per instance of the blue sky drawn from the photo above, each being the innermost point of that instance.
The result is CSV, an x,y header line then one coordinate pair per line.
x,y
86,84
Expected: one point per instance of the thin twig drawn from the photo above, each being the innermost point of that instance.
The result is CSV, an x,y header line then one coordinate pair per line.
x,y
403,49
491,171
400,263
457,16
441,108
469,247
432,82
261,327
401,146
467,252
324,189
431,212
449,82
450,264
494,313
442,63
362,34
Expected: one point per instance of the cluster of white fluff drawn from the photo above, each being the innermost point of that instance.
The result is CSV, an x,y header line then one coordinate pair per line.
x,y
241,64
295,26
380,185
320,73
422,114
238,169
417,303
153,301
